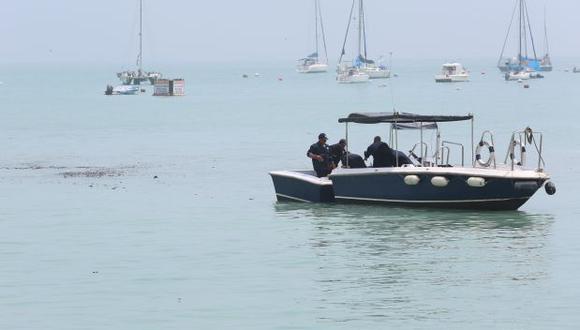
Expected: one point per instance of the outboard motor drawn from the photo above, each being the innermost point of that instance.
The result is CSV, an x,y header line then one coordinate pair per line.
x,y
550,188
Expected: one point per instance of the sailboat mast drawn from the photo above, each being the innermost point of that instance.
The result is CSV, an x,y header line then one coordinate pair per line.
x,y
546,43
360,26
316,26
140,36
520,36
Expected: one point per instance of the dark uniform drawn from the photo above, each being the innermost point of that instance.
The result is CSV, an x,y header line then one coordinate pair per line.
x,y
322,168
337,153
382,155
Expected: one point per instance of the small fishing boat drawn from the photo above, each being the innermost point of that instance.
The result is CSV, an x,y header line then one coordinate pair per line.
x,y
136,77
452,72
431,180
361,62
313,63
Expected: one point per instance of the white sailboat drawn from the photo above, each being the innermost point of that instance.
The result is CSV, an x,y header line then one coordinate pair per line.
x,y
546,62
524,60
131,77
361,66
312,63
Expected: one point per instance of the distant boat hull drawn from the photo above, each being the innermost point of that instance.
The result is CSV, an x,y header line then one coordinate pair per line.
x,y
313,68
376,73
452,78
352,78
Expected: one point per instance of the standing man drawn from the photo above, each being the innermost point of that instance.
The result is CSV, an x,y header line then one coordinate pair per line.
x,y
320,155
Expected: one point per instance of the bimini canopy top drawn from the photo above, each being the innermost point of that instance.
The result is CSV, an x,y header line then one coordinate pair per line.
x,y
398,117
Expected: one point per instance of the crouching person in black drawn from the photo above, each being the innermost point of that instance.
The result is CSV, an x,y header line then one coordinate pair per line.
x,y
384,156
320,155
337,152
381,152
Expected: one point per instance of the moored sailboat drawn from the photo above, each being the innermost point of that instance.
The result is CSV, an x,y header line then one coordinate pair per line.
x,y
313,63
361,66
132,77
524,60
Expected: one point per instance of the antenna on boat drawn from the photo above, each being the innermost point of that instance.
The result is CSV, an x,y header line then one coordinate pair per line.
x,y
391,81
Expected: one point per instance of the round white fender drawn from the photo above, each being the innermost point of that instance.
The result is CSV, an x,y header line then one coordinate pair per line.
x,y
412,180
439,181
476,182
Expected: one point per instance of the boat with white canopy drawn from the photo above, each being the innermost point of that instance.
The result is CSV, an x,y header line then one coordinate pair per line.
x,y
452,72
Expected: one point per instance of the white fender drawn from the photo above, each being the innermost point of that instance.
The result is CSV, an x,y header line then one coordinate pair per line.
x,y
476,182
412,180
439,181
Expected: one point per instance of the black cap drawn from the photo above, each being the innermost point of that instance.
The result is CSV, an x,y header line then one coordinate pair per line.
x,y
322,136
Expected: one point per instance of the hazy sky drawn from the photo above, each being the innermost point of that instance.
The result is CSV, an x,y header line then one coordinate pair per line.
x,y
194,30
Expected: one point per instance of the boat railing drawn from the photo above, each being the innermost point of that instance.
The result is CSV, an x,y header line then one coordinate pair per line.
x,y
522,140
445,146
422,154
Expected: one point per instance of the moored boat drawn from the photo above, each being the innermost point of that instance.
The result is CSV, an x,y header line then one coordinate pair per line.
x,y
138,76
313,63
452,72
483,183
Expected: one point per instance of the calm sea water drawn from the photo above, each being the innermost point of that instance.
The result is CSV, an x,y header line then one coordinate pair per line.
x,y
136,212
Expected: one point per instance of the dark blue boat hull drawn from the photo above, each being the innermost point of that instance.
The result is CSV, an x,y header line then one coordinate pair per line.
x,y
390,188
290,188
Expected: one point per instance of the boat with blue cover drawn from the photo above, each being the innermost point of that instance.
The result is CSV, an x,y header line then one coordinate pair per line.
x,y
430,180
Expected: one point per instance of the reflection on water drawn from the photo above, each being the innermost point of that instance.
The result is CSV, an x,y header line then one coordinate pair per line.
x,y
396,263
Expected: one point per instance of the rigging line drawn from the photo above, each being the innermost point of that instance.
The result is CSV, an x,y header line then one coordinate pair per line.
x,y
364,26
547,45
520,36
530,30
316,27
323,34
346,34
507,34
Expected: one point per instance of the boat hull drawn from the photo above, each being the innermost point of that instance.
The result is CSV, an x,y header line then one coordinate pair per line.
x,y
451,78
503,189
352,79
314,68
302,186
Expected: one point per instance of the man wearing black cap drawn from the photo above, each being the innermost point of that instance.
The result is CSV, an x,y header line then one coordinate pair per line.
x,y
320,156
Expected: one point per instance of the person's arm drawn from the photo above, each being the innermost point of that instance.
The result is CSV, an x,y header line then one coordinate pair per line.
x,y
314,156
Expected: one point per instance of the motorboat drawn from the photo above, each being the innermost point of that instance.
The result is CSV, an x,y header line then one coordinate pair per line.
x,y
122,90
361,62
517,76
351,75
139,76
432,180
452,72
313,63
